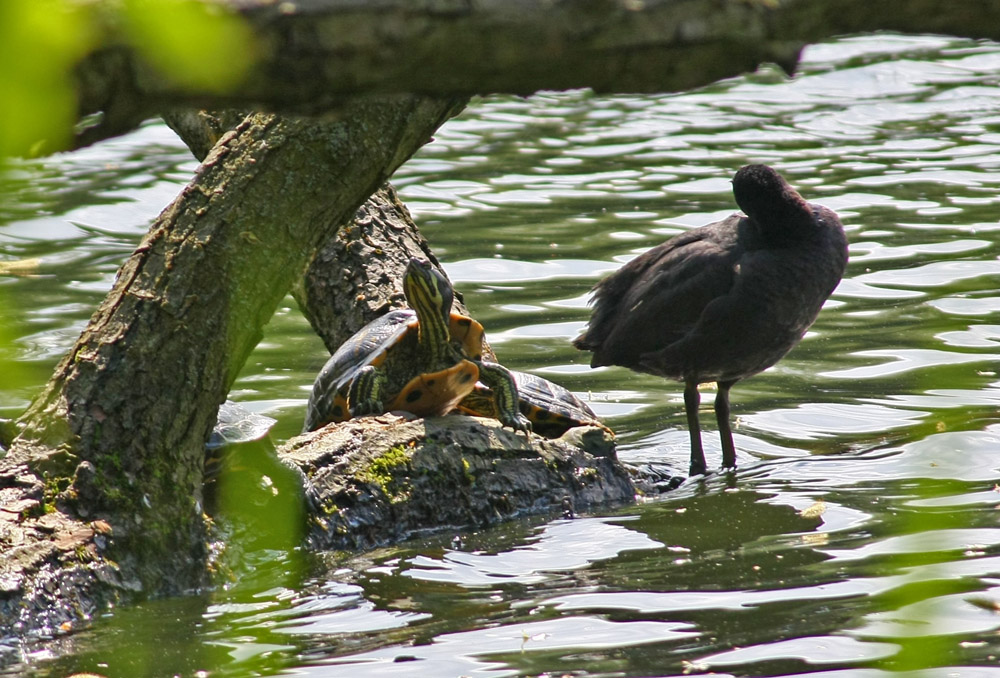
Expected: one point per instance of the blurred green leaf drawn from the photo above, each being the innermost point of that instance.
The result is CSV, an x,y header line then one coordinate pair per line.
x,y
39,42
14,375
197,45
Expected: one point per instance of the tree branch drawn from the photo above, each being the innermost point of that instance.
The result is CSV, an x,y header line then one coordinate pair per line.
x,y
316,57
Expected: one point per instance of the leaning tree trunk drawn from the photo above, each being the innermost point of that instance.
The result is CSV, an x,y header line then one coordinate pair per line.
x,y
100,493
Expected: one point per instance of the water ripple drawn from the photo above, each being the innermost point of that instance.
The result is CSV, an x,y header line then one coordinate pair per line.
x,y
561,546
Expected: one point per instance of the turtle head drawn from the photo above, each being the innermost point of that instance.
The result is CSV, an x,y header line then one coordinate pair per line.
x,y
427,291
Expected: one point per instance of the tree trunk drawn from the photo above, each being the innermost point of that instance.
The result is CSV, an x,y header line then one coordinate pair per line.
x,y
313,57
102,486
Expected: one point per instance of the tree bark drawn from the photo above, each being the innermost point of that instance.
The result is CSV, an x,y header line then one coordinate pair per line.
x,y
315,57
101,489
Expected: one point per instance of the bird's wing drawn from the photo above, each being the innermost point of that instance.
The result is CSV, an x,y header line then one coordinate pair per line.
x,y
659,296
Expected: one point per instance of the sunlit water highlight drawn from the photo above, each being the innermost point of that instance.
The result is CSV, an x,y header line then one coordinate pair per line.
x,y
861,535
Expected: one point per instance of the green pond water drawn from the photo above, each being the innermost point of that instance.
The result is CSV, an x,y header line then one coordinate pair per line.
x,y
860,536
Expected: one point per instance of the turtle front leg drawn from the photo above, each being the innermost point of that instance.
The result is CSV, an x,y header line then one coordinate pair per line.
x,y
501,383
366,393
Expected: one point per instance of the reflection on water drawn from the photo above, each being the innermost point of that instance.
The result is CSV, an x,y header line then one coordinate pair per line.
x,y
860,537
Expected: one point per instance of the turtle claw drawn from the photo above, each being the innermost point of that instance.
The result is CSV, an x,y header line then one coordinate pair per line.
x,y
519,423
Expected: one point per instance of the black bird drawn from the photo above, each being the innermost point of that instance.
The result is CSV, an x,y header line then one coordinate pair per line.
x,y
724,301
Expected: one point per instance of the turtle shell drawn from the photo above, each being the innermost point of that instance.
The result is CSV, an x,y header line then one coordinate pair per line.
x,y
551,408
236,424
423,393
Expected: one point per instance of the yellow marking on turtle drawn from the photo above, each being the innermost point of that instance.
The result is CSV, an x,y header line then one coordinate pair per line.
x,y
436,393
467,332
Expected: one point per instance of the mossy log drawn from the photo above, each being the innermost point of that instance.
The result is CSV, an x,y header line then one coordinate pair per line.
x,y
377,480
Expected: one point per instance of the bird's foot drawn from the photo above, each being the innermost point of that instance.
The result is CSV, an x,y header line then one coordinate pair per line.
x,y
701,470
697,470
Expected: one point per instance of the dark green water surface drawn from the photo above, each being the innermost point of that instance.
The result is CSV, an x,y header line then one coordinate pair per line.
x,y
861,535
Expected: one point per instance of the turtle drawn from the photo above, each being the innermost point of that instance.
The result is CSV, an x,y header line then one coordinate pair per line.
x,y
236,424
424,360
552,409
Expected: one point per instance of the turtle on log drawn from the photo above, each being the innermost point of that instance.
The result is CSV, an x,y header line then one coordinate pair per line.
x,y
424,360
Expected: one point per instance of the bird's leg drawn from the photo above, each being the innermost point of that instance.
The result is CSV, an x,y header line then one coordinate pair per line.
x,y
691,401
722,417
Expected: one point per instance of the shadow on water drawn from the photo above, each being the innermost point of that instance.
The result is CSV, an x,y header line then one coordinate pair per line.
x,y
859,536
